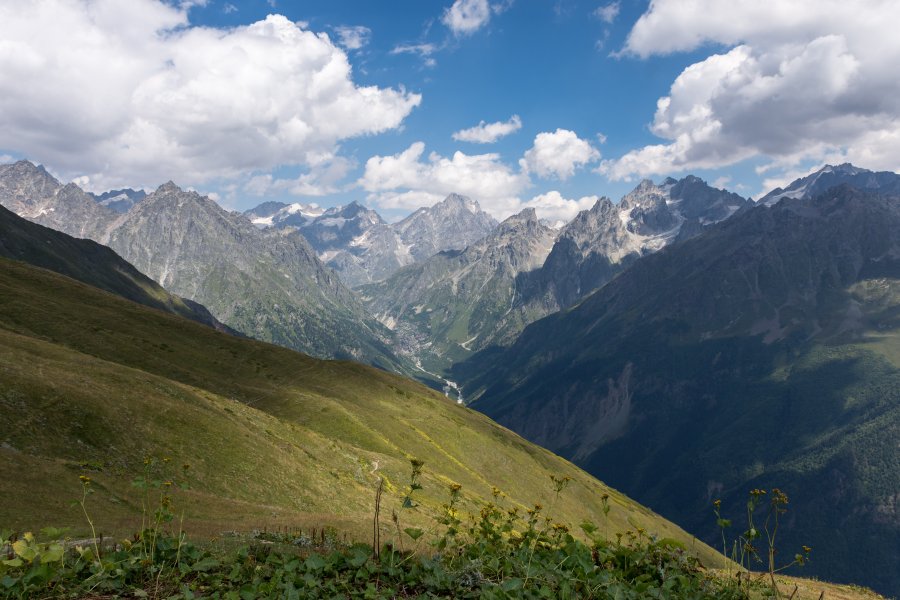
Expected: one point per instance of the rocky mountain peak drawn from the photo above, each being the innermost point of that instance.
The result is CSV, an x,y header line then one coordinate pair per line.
x,y
169,187
459,202
31,192
526,215
647,194
26,168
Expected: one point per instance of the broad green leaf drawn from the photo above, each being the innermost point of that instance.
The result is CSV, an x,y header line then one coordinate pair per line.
x,y
53,553
315,562
204,564
23,549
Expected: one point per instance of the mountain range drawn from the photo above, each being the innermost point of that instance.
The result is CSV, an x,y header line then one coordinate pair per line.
x,y
684,344
266,284
455,303
361,247
763,352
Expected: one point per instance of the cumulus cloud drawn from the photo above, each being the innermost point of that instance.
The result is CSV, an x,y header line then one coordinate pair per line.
x,y
488,133
558,154
800,80
409,180
320,180
353,38
134,94
554,207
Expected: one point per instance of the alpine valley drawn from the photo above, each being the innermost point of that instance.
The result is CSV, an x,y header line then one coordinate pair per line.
x,y
683,344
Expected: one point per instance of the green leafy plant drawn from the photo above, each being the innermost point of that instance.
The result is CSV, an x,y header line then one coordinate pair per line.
x,y
498,551
744,550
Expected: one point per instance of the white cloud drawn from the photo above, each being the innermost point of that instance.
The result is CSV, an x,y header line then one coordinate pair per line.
x,y
409,180
488,133
131,93
229,8
722,182
353,38
608,12
424,51
554,207
467,16
558,154
802,80
321,180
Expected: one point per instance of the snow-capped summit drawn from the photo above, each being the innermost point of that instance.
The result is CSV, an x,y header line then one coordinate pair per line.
x,y
601,241
830,176
270,214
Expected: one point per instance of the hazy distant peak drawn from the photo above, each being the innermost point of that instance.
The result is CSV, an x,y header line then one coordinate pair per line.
x,y
526,214
169,187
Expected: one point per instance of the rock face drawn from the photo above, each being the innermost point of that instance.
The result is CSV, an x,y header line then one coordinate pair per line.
x,y
442,307
361,247
761,353
452,224
266,284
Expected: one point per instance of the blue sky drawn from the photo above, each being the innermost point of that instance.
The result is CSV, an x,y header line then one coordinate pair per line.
x,y
332,101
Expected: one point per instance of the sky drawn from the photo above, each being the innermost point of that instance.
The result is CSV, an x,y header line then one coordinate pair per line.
x,y
516,103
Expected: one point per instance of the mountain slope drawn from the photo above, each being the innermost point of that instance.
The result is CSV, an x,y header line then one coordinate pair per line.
x,y
90,381
265,284
762,353
93,264
444,307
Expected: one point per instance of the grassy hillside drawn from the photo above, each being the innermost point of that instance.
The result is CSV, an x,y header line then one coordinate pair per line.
x,y
93,383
